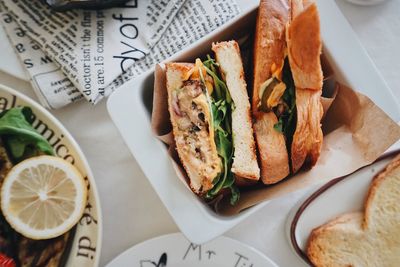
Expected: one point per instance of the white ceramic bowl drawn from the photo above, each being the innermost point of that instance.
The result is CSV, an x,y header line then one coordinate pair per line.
x,y
86,245
130,109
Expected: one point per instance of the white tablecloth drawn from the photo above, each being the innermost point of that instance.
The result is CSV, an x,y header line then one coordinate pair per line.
x,y
132,211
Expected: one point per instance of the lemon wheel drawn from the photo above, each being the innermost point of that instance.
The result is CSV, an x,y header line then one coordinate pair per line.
x,y
43,197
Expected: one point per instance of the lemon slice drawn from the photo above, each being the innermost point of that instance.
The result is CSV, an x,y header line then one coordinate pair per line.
x,y
43,197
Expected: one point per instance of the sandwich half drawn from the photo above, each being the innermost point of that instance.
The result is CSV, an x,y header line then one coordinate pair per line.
x,y
210,115
269,55
287,87
304,49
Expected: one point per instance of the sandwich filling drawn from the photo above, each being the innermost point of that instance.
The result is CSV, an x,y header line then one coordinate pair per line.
x,y
278,95
205,113
196,138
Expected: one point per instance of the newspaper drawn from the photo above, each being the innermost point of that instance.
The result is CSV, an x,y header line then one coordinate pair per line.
x,y
50,84
88,54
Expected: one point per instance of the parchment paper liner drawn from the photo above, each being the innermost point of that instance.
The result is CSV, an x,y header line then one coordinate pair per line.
x,y
356,132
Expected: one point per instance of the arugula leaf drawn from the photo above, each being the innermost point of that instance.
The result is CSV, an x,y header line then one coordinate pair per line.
x,y
235,195
279,126
287,120
222,106
20,138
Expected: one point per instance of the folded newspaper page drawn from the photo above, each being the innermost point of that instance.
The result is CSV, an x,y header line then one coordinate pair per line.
x,y
88,54
50,84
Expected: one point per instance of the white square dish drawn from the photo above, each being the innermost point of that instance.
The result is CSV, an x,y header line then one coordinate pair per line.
x,y
130,109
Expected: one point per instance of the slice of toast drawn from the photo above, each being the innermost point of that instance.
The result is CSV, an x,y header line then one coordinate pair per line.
x,y
308,136
304,49
245,163
269,49
364,239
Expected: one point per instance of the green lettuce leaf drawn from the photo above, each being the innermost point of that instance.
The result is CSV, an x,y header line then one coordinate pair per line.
x,y
287,120
20,138
222,107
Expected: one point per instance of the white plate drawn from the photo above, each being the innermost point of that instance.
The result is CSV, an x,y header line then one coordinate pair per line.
x,y
342,195
176,251
130,109
86,245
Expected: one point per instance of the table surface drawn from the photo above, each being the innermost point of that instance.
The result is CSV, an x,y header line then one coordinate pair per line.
x,y
132,212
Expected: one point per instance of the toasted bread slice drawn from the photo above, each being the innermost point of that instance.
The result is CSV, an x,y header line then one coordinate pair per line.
x,y
191,120
245,163
304,49
269,49
269,42
272,147
308,136
369,239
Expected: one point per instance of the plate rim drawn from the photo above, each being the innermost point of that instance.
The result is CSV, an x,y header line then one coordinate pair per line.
x,y
308,200
80,153
180,234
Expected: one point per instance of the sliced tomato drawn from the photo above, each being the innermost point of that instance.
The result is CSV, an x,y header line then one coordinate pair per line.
x,y
6,261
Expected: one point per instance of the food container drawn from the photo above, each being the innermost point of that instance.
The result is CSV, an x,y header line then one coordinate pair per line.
x,y
130,108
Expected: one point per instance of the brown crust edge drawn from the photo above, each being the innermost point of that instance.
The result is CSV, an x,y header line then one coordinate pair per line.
x,y
312,248
301,154
261,58
377,180
316,194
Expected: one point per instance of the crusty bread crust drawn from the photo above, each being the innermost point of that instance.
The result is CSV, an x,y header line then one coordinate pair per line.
x,y
245,163
318,250
271,145
269,48
374,193
304,49
269,42
369,239
308,136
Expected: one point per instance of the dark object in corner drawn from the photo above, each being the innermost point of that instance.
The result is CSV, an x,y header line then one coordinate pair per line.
x,y
61,5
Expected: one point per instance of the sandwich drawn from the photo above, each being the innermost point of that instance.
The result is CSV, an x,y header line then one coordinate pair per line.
x,y
210,115
287,87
